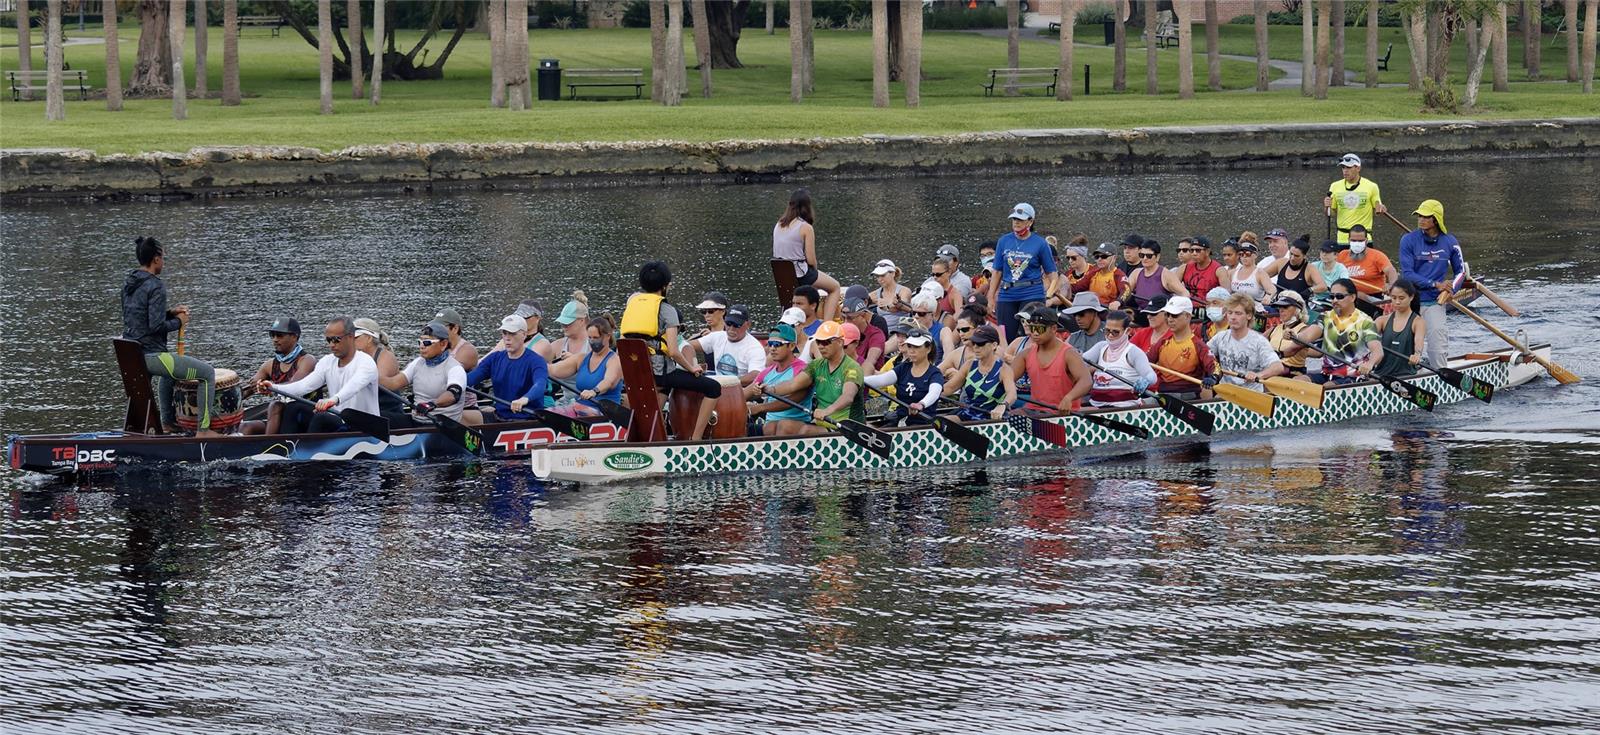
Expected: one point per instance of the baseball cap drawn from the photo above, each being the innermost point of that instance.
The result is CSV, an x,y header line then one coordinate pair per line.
x,y
931,288
782,333
1157,303
1132,240
284,325
919,337
884,266
737,315
1349,159
902,325
1201,240
573,311
1432,208
856,292
1178,305
984,335
713,300
1023,210
975,298
850,332
1043,315
827,330
1330,246
948,251
1289,298
529,309
793,316
437,330
513,323
1104,248
1277,232
853,304
448,316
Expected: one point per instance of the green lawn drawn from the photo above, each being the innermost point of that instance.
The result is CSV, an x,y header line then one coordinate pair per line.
x,y
280,75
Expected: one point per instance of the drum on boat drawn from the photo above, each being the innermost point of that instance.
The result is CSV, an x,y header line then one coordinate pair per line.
x,y
728,419
227,410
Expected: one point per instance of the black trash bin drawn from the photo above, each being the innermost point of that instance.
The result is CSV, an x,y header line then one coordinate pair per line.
x,y
549,79
1111,32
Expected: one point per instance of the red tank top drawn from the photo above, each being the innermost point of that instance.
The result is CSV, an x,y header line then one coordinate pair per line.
x,y
1199,282
1050,383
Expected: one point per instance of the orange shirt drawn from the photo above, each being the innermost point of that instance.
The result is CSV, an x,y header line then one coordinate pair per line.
x,y
1368,272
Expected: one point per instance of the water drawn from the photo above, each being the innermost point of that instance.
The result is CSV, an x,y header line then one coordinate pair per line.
x,y
1419,573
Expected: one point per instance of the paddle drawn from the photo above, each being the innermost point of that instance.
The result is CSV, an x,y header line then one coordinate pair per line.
x,y
1493,297
1561,374
1423,399
615,412
467,437
877,441
1042,430
1138,432
366,423
1299,391
1202,420
1238,395
564,424
1481,390
975,443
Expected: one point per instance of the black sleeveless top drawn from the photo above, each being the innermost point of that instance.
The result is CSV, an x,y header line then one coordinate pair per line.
x,y
1297,283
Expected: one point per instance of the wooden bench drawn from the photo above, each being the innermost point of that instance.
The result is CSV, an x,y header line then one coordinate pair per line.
x,y
37,81
575,78
1167,30
1014,79
1383,63
276,21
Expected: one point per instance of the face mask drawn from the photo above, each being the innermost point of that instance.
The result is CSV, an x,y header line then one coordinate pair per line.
x,y
596,344
988,262
1356,248
1214,313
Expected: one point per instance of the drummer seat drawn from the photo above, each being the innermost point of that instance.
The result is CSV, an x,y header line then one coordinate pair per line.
x,y
143,416
639,382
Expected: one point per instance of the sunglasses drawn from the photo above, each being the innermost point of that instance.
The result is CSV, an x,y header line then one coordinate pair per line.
x,y
1101,256
923,313
1147,255
709,312
1188,250
1338,296
821,342
335,339
774,345
427,342
1113,333
1040,328
963,330
937,274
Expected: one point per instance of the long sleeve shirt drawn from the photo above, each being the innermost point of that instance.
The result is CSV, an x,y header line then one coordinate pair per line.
x,y
144,311
351,385
1429,261
526,376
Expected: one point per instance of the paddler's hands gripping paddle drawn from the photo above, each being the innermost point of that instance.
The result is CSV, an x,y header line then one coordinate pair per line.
x,y
1249,400
366,423
615,412
1418,396
1202,420
467,437
877,441
975,443
564,424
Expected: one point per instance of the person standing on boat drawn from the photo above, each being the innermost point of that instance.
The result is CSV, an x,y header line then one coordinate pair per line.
x,y
1120,358
1371,270
650,317
1243,350
733,350
794,238
916,380
1352,198
1026,268
834,379
289,362
1056,373
1401,333
350,375
985,382
437,380
520,376
147,320
1184,351
781,370
1428,257
597,373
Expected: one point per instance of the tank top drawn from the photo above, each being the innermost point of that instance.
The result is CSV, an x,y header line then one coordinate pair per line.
x,y
387,403
1280,341
1024,383
1049,382
588,378
982,390
1104,284
1297,282
1245,283
912,388
279,372
1200,281
789,244
1105,390
1398,346
1146,288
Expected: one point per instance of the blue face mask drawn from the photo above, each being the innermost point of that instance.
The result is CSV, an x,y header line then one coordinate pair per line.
x,y
987,261
436,361
291,356
1214,313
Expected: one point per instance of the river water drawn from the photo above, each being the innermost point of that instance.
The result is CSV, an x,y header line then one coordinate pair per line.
x,y
1417,573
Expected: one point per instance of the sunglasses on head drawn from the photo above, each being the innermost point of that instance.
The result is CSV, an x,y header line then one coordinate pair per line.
x,y
334,339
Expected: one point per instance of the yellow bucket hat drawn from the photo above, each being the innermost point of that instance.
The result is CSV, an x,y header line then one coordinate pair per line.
x,y
1432,208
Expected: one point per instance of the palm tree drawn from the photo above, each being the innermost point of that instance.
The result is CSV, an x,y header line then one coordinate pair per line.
x,y
797,52
1013,50
673,94
108,22
1589,19
1213,48
911,23
771,22
1150,28
1485,38
1337,77
1417,45
1531,38
880,53
1372,44
378,29
1263,67
1320,85
24,43
497,53
519,89
659,76
200,43
1069,15
230,52
1119,38
358,41
1181,8
1502,71
808,18
1571,7
55,103
702,45
325,49
175,27
1308,66
152,63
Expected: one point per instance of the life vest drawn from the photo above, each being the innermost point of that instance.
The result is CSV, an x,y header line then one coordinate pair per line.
x,y
641,319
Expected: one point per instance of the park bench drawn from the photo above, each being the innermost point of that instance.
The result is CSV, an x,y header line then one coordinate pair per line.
x,y
1167,30
276,21
1054,29
575,78
36,81
1021,77
1383,63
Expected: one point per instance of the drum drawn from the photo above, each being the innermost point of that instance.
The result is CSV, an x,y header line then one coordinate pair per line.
x,y
727,419
227,410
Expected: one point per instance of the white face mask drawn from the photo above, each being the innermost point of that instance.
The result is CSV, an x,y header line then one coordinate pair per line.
x,y
1357,247
1214,313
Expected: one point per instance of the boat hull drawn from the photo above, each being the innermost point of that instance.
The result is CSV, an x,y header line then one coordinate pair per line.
x,y
923,447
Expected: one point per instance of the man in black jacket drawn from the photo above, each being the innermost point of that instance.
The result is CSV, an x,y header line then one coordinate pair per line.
x,y
147,320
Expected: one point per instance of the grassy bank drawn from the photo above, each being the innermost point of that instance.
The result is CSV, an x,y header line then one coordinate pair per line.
x,y
279,76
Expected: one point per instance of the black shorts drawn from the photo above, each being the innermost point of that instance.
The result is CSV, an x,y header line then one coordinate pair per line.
x,y
807,278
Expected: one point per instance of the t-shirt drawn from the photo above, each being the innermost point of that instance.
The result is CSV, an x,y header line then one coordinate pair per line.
x,y
962,283
873,337
1354,206
827,385
430,382
1347,338
1082,341
1368,271
1188,356
525,377
1020,260
811,329
353,385
734,358
1249,355
771,376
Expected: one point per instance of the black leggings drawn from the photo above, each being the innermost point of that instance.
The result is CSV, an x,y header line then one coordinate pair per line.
x,y
1006,314
685,380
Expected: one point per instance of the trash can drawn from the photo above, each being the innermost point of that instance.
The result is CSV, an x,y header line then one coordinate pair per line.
x,y
1111,32
549,79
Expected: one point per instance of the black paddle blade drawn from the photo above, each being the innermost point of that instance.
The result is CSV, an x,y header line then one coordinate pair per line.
x,y
1042,430
1420,398
975,443
616,413
878,442
467,437
1202,420
366,423
1137,432
565,424
1481,390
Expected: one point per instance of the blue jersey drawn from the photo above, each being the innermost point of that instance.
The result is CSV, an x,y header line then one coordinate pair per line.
x,y
1427,261
524,377
1021,261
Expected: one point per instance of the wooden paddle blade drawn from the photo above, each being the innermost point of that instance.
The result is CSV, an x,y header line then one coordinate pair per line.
x,y
1299,391
1479,389
1418,396
366,423
467,437
1249,400
564,424
1202,420
784,278
873,440
1561,374
975,443
1138,432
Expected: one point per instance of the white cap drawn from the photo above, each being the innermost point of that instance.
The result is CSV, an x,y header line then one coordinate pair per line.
x,y
1350,159
931,288
1178,305
513,323
1023,210
884,266
793,316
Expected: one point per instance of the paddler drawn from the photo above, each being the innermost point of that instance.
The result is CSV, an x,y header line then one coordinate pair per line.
x,y
1428,257
1056,373
350,375
597,373
916,380
371,339
732,349
437,380
781,419
1347,334
870,348
1201,273
834,381
1242,350
1372,271
289,362
650,317
1120,358
959,279
985,382
463,351
1182,350
1291,314
520,376
1354,199
574,321
1401,333
147,320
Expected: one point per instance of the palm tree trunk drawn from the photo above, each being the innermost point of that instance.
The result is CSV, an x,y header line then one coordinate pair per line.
x,y
201,41
152,63
325,49
1589,20
1372,44
1069,15
1308,61
1336,78
809,17
658,50
1263,68
175,27
1571,7
1013,38
1151,81
1324,17
1119,38
516,55
24,43
108,24
55,102
702,45
1417,45
1438,47
230,53
1498,54
911,24
880,53
1485,39
497,53
772,23
357,41
1213,48
378,30
1182,8
1469,27
672,96
1530,13
797,53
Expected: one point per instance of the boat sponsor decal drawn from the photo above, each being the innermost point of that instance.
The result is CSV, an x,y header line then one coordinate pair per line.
x,y
628,461
518,441
83,459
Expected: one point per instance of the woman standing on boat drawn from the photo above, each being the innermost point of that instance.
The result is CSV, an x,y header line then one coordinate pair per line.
x,y
794,238
1026,268
650,317
1401,331
596,372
